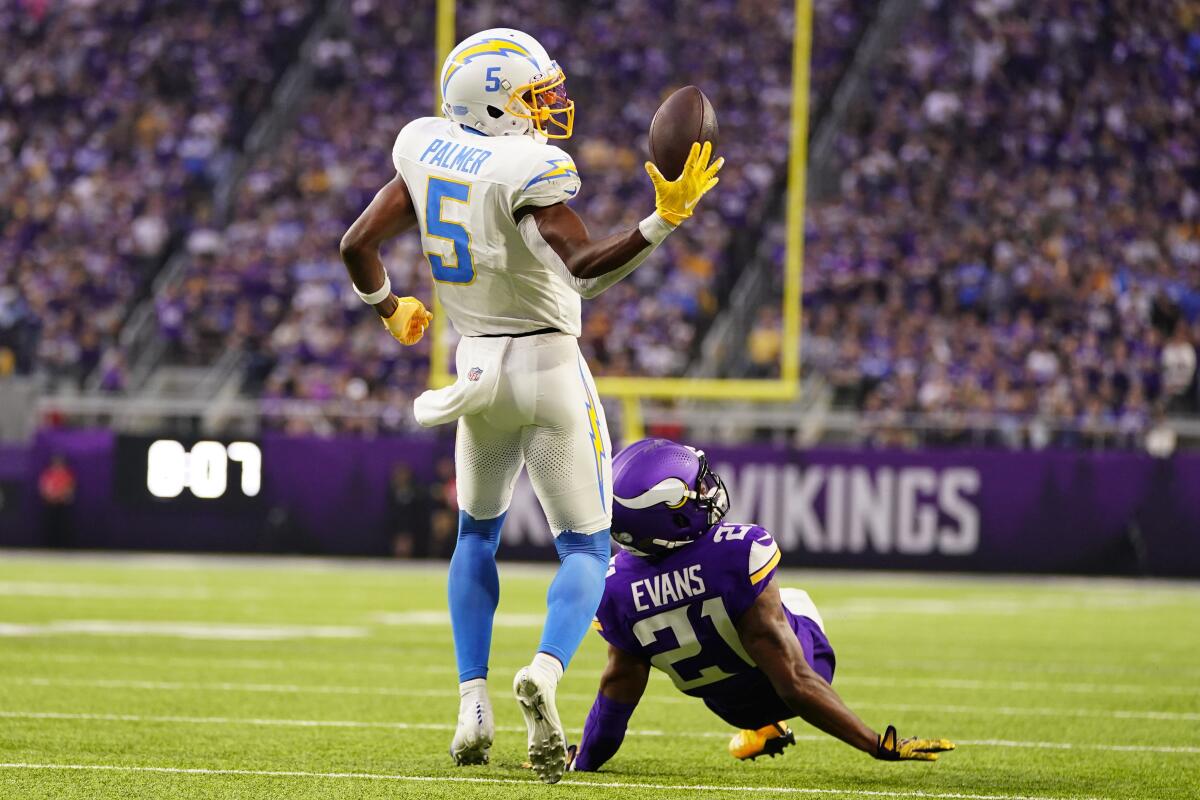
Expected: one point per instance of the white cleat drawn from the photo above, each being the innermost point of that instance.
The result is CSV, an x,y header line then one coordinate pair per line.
x,y
476,729
547,742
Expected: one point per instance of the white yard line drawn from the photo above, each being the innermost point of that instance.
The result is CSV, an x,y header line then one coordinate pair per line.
x,y
199,564
441,619
996,605
181,630
1035,711
575,779
972,684
1145,667
253,721
229,686
1112,748
797,576
96,591
869,607
389,691
441,726
397,667
92,658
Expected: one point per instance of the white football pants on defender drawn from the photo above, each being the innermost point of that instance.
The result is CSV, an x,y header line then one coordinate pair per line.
x,y
545,414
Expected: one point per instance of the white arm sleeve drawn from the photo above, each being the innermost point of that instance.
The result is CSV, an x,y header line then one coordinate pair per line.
x,y
654,228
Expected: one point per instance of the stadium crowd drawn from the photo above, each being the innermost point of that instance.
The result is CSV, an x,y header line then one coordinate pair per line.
x,y
1017,233
170,93
270,283
116,118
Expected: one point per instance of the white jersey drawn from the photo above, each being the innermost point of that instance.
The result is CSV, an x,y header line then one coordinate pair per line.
x,y
465,188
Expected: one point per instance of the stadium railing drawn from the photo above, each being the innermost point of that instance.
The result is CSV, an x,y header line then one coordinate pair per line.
x,y
784,424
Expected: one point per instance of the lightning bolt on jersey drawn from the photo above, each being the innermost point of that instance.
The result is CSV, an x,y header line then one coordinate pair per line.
x,y
466,188
680,613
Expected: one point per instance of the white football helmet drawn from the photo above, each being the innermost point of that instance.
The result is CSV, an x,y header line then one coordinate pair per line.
x,y
501,82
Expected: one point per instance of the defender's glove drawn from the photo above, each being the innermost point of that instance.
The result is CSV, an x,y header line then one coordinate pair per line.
x,y
893,749
409,321
674,200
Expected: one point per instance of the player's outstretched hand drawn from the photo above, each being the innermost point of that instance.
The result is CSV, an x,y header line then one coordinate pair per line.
x,y
674,200
409,321
892,748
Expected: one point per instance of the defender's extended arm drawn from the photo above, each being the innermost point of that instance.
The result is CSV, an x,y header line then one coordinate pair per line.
x,y
621,687
769,640
559,238
389,214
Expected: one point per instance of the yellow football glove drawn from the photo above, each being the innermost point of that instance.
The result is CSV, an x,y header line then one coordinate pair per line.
x,y
892,748
674,200
409,321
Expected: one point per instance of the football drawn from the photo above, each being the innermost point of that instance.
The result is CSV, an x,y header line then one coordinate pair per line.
x,y
685,117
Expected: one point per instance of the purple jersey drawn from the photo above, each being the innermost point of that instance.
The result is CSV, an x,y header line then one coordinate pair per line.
x,y
679,611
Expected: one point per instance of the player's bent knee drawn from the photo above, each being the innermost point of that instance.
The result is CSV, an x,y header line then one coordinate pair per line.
x,y
482,506
597,545
488,530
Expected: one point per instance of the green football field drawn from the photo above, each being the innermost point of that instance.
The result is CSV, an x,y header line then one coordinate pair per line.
x,y
159,677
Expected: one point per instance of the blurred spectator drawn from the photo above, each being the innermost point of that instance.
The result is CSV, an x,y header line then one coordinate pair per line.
x,y
271,281
1013,254
1161,438
1017,234
281,533
1179,369
765,343
116,120
410,504
56,489
443,527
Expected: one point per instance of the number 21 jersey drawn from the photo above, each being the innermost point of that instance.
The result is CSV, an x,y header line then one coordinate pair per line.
x,y
466,188
679,611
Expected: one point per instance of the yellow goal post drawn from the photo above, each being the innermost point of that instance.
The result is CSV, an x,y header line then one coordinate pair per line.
x,y
631,390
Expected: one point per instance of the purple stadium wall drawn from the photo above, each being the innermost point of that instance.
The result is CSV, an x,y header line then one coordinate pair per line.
x,y
1069,512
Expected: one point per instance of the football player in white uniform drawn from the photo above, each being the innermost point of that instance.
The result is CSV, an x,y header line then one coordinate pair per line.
x,y
510,261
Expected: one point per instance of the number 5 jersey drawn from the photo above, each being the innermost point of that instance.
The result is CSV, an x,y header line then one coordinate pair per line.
x,y
680,610
466,189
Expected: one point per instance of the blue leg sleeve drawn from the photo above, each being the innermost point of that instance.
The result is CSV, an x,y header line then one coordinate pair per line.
x,y
575,592
474,588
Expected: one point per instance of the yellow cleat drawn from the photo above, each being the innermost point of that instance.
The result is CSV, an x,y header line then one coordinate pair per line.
x,y
768,741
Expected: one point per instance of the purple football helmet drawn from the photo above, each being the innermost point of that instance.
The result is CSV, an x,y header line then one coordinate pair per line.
x,y
664,497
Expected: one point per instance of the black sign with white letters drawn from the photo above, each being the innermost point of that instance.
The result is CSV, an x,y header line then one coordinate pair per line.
x,y
205,473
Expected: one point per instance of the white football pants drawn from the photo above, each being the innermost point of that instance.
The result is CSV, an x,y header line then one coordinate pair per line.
x,y
544,414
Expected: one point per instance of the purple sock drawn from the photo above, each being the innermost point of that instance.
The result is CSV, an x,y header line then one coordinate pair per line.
x,y
602,733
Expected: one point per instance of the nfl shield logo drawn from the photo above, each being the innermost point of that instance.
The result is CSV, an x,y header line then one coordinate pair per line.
x,y
474,373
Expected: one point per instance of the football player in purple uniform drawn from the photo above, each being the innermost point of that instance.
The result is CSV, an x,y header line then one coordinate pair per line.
x,y
697,598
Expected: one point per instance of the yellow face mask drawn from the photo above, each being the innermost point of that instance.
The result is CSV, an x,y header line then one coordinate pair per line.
x,y
544,102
